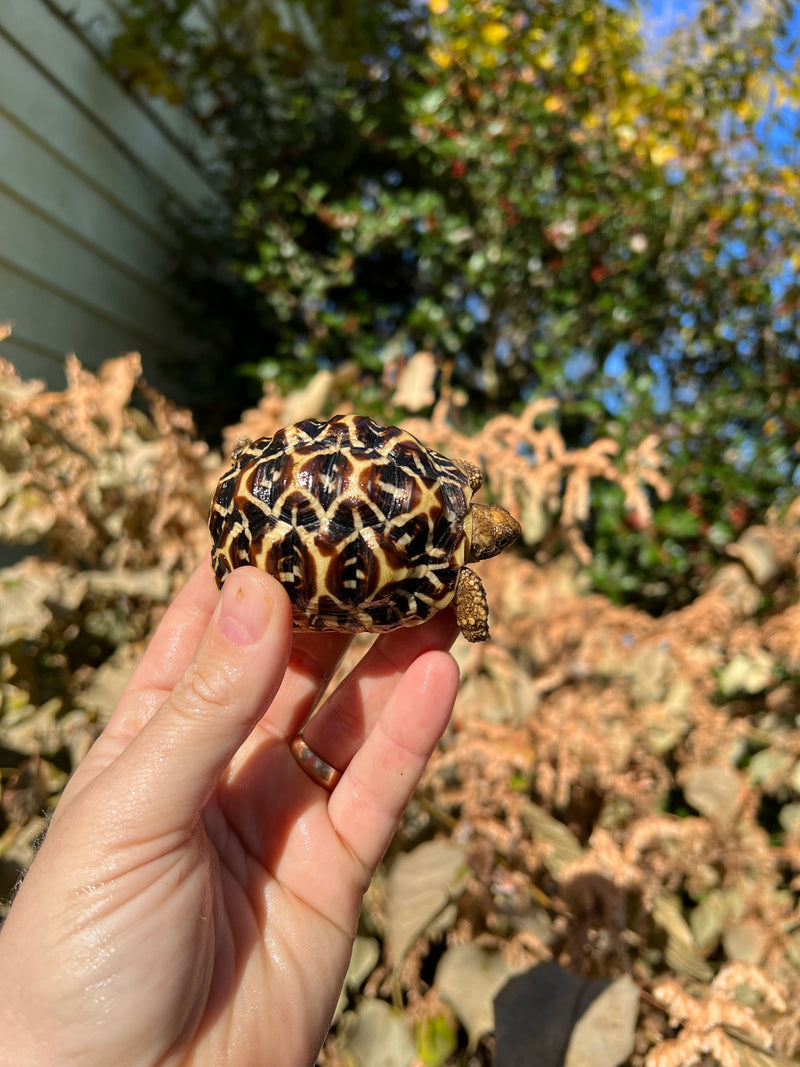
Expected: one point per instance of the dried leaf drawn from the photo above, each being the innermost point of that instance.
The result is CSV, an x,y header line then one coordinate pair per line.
x,y
364,956
604,1035
311,400
713,791
748,941
564,847
653,669
102,694
468,977
414,387
27,589
420,885
789,818
376,1035
668,722
25,793
770,769
714,912
757,551
681,951
747,673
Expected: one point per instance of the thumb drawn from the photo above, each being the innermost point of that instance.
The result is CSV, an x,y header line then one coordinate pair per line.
x,y
174,764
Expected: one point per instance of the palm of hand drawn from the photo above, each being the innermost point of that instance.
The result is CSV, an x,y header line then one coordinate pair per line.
x,y
200,892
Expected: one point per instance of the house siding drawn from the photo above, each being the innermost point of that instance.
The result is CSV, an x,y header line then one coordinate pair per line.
x,y
85,171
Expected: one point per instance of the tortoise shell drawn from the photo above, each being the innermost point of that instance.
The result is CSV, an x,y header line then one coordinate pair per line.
x,y
366,528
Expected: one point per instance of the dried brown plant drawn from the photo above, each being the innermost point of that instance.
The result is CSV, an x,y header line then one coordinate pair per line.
x,y
706,1024
624,787
96,479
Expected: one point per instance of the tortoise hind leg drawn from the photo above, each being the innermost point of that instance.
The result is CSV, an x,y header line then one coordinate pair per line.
x,y
472,610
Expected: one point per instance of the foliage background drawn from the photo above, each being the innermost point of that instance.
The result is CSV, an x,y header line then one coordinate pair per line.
x,y
531,193
547,245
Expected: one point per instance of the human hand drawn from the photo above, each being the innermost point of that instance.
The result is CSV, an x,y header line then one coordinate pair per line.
x,y
197,894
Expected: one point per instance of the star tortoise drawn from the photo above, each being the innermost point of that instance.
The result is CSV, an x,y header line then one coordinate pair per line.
x,y
365,527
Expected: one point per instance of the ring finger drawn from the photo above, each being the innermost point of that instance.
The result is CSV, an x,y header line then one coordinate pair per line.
x,y
339,727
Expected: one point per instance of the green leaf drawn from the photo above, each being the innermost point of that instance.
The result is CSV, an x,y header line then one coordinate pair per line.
x,y
436,1039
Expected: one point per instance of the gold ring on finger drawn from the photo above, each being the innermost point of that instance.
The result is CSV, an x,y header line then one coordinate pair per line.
x,y
314,766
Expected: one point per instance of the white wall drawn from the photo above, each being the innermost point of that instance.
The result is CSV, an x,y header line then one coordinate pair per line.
x,y
85,168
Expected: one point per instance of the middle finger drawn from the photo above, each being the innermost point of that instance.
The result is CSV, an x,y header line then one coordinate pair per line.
x,y
312,663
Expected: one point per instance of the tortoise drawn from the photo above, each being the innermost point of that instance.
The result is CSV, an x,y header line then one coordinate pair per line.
x,y
366,528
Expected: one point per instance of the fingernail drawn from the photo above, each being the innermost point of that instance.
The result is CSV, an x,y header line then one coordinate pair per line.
x,y
244,610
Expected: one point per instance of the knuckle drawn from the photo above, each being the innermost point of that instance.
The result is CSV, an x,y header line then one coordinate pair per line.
x,y
204,686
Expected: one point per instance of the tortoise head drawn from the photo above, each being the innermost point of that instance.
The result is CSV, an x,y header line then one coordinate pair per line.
x,y
490,529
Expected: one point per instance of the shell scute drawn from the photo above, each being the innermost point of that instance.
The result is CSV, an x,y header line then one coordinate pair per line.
x,y
308,430
286,556
451,497
326,476
299,511
392,490
355,572
269,477
410,538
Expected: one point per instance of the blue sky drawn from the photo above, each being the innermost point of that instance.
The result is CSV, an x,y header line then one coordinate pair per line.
x,y
660,17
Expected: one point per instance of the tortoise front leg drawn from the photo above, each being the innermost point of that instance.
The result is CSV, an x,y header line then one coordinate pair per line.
x,y
475,474
472,609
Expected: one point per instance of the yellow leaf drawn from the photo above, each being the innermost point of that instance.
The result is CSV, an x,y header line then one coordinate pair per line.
x,y
626,135
545,60
553,104
440,57
662,153
494,32
581,62
438,7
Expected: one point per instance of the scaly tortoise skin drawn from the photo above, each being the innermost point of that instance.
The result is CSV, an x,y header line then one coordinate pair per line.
x,y
365,527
